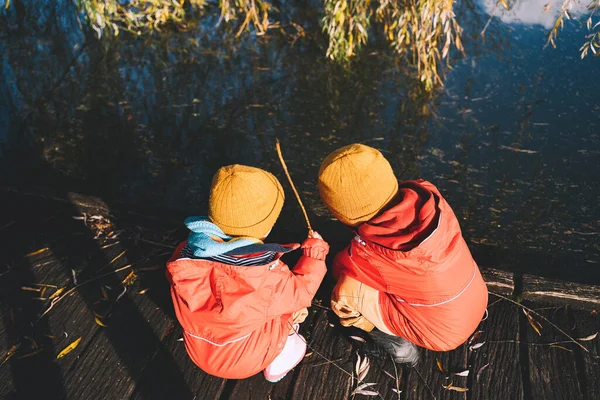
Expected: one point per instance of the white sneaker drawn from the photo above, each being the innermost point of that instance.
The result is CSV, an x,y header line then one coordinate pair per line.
x,y
293,352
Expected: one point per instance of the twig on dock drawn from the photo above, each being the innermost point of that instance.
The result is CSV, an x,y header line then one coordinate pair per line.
x,y
571,339
68,292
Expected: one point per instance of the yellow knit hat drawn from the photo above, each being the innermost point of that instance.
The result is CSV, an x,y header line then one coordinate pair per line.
x,y
356,182
245,201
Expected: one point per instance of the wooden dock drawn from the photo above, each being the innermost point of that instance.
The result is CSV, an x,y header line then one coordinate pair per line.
x,y
58,286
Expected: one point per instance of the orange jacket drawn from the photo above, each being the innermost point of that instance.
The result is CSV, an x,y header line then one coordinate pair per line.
x,y
431,290
235,318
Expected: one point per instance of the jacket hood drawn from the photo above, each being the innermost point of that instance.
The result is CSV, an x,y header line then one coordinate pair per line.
x,y
409,222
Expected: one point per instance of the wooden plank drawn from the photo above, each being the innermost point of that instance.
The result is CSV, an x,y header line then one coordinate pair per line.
x,y
201,385
499,334
318,378
498,281
552,369
536,288
587,323
425,380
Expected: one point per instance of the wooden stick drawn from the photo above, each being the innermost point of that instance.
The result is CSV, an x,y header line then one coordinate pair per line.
x,y
278,147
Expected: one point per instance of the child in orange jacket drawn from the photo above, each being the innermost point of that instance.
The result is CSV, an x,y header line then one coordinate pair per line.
x,y
238,304
408,276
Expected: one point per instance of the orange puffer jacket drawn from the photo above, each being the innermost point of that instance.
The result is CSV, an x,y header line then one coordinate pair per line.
x,y
431,290
236,319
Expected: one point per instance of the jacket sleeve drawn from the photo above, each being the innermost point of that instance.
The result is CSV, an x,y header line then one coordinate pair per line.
x,y
297,291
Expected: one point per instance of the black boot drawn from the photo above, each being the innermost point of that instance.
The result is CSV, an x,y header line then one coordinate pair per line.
x,y
401,350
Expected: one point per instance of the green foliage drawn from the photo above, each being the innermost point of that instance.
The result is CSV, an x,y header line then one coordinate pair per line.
x,y
420,31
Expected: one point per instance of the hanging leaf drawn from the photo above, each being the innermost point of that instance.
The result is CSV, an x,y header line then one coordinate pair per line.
x,y
588,338
68,349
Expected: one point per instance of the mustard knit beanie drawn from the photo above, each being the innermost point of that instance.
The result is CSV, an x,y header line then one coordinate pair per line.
x,y
356,182
245,201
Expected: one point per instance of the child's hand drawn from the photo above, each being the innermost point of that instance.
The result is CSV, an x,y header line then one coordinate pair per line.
x,y
314,234
314,246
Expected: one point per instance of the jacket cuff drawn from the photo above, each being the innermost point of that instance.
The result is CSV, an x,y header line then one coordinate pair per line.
x,y
315,248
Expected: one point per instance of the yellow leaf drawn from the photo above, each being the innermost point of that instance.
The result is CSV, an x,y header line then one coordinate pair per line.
x,y
143,291
56,294
7,3
129,279
455,388
104,293
99,322
504,3
68,349
35,253
439,365
534,324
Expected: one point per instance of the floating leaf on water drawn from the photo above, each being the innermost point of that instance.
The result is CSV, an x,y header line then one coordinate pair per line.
x,y
462,373
104,293
396,391
99,322
308,354
180,339
588,338
35,253
122,294
68,349
474,337
143,291
30,289
481,370
74,274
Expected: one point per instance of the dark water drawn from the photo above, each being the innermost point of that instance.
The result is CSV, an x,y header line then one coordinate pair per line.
x,y
512,140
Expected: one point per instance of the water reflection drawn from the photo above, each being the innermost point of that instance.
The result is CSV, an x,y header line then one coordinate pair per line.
x,y
512,139
531,12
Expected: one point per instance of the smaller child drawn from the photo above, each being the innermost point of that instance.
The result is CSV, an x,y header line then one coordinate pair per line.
x,y
238,303
408,276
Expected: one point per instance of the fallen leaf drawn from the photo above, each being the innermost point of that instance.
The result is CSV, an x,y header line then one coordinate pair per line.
x,y
439,365
534,324
68,349
588,338
308,354
561,347
129,279
33,353
462,373
481,370
99,322
30,289
35,253
476,346
396,390
11,352
358,339
143,291
56,294
455,388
